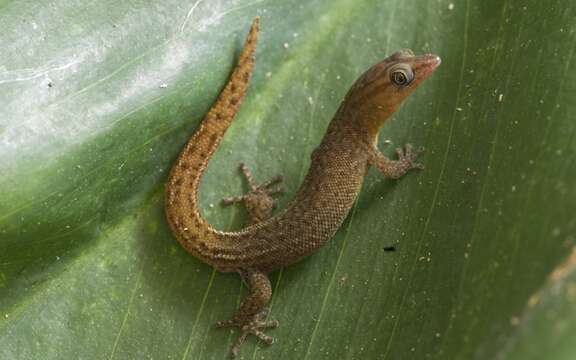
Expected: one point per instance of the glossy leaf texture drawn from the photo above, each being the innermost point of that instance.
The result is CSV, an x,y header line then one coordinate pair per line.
x,y
96,99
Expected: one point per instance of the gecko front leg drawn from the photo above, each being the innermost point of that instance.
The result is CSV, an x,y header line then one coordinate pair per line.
x,y
395,169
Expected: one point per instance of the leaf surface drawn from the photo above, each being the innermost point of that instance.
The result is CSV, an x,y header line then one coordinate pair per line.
x,y
98,97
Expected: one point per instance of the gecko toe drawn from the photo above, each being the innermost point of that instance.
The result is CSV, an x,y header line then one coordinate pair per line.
x,y
232,200
275,190
267,339
271,324
226,323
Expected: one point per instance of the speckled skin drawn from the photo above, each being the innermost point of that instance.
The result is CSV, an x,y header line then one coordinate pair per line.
x,y
337,169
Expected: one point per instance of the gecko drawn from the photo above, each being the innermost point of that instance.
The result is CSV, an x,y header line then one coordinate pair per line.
x,y
335,175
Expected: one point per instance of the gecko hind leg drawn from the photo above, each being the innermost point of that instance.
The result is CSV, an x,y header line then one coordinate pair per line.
x,y
258,200
251,316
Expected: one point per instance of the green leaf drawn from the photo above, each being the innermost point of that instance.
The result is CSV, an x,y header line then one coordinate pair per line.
x,y
98,97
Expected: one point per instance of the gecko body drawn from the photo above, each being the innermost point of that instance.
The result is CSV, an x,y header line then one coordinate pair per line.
x,y
337,169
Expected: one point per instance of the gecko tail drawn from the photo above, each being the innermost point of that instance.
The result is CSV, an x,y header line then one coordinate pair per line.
x,y
222,112
181,200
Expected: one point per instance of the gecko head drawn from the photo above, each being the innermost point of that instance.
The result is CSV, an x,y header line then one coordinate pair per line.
x,y
383,87
395,77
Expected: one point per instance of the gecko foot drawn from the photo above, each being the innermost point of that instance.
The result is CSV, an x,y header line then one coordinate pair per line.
x,y
253,327
258,200
407,157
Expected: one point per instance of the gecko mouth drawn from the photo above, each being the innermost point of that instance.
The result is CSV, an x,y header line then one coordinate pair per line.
x,y
424,65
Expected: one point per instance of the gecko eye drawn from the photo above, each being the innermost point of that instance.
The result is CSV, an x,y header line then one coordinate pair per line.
x,y
401,75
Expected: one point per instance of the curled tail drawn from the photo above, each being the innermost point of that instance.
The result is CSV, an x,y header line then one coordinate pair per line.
x,y
181,200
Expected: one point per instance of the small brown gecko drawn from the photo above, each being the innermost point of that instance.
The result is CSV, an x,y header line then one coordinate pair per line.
x,y
337,169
